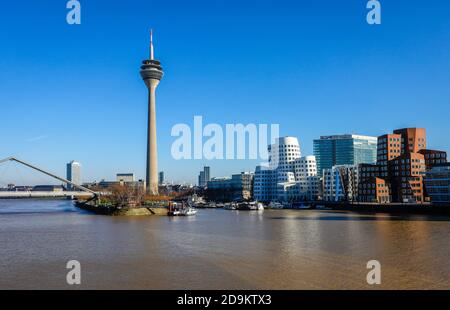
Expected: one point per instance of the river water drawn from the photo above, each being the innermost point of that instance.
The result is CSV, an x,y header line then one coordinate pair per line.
x,y
219,249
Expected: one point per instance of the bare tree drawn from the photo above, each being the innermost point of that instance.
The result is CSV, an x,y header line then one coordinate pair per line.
x,y
126,195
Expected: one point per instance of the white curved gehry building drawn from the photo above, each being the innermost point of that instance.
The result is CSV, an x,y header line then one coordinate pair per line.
x,y
306,175
288,177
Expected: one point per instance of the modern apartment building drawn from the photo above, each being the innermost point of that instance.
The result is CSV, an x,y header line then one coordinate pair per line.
x,y
372,188
406,177
344,150
402,165
263,187
433,158
340,183
375,190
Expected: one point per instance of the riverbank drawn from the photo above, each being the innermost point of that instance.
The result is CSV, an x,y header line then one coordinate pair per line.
x,y
121,211
393,208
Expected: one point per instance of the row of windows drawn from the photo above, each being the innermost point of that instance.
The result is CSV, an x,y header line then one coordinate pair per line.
x,y
384,140
436,155
409,191
413,160
373,192
385,151
407,173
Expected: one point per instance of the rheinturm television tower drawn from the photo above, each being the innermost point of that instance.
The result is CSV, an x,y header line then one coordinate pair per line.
x,y
152,73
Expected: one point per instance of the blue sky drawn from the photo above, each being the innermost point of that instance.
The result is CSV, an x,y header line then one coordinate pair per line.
x,y
315,67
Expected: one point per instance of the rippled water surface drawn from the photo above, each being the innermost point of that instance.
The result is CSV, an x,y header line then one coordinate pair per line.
x,y
219,249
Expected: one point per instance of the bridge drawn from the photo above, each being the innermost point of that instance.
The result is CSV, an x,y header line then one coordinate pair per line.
x,y
83,191
38,194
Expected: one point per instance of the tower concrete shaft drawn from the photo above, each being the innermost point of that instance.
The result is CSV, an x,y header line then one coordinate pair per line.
x,y
152,147
152,73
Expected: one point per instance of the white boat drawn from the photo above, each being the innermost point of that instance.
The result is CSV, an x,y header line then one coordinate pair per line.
x,y
275,205
187,211
260,206
229,206
249,206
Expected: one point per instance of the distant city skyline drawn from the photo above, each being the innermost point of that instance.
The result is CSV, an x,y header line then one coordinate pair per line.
x,y
72,92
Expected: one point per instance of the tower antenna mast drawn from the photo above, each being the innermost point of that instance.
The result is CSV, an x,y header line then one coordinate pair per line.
x,y
152,52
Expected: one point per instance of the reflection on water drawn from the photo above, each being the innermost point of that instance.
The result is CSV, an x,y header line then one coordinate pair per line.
x,y
219,249
18,206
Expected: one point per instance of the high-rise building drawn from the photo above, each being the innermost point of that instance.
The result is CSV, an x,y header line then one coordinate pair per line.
x,y
151,73
344,150
401,164
207,171
161,178
204,176
73,173
201,179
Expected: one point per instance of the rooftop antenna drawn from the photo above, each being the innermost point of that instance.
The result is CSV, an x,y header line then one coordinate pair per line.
x,y
151,45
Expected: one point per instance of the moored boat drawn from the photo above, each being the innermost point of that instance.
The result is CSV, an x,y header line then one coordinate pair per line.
x,y
229,206
249,206
189,211
275,205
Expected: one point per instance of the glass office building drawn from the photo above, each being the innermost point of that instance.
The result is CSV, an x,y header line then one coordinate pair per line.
x,y
344,150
